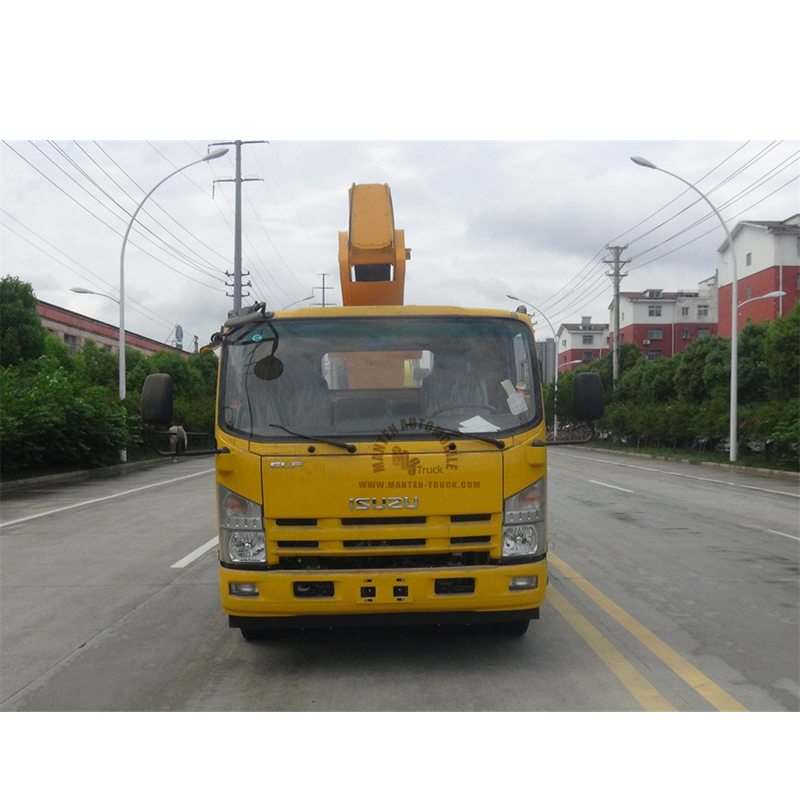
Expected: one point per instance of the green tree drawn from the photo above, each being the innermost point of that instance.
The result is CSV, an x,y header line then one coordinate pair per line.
x,y
207,364
99,367
782,356
50,417
752,371
22,337
704,370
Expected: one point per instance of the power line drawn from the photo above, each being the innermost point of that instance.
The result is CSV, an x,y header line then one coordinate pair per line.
x,y
103,222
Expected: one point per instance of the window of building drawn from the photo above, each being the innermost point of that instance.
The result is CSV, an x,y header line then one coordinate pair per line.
x,y
703,332
748,259
702,311
655,333
654,311
73,343
654,293
588,339
654,355
748,292
686,334
588,355
685,311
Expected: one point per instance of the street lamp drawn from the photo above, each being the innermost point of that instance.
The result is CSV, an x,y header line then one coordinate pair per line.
x,y
734,427
763,297
310,297
208,157
81,290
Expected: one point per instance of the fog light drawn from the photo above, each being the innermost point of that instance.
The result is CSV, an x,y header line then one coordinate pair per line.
x,y
243,589
523,582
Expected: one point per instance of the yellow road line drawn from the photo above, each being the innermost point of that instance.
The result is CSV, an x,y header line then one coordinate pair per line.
x,y
701,683
632,679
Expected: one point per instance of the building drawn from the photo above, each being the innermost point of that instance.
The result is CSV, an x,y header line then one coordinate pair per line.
x,y
75,329
767,260
581,343
546,355
663,323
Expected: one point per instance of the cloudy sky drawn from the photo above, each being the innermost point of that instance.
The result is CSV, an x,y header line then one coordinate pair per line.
x,y
484,219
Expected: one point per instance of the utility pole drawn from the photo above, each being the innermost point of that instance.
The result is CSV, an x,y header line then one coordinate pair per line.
x,y
237,236
323,288
616,279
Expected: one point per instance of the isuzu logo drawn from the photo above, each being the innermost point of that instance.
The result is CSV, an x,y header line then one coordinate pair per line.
x,y
382,503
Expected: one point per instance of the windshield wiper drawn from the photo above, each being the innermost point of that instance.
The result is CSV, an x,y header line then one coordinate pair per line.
x,y
351,448
498,443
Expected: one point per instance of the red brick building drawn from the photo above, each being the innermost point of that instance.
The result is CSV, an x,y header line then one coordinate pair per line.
x,y
582,343
74,329
663,323
767,260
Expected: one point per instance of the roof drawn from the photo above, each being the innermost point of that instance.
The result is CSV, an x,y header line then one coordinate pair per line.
x,y
788,225
576,327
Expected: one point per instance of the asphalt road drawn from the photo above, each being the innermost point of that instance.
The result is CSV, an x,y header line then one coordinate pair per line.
x,y
673,587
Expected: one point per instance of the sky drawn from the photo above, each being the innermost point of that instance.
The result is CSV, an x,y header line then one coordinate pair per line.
x,y
483,218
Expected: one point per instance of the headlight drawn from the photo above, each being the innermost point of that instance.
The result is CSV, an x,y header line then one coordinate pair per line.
x,y
524,522
241,529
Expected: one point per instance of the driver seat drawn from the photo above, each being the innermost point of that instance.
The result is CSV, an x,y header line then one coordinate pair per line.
x,y
452,385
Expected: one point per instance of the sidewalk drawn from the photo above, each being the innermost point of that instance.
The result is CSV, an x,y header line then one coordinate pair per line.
x,y
80,475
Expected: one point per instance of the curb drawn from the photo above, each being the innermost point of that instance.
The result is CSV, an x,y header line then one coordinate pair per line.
x,y
80,475
734,467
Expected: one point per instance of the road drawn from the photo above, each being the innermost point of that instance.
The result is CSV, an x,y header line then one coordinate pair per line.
x,y
673,588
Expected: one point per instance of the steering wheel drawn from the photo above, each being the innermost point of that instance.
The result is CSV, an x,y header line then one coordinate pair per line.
x,y
476,406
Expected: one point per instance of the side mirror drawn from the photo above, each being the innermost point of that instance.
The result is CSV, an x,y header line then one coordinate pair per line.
x,y
589,401
156,407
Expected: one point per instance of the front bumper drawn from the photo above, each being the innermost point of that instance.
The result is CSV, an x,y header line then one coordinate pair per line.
x,y
383,597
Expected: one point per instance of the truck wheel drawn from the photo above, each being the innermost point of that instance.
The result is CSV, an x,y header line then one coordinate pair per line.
x,y
516,627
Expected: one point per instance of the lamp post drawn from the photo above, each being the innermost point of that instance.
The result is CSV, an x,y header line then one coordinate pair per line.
x,y
734,410
208,157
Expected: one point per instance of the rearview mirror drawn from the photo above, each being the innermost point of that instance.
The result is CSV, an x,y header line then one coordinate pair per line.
x,y
589,401
156,406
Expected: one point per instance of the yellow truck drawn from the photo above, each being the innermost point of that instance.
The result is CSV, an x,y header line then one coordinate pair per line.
x,y
379,463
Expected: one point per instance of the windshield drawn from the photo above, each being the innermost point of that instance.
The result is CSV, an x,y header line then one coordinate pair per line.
x,y
351,378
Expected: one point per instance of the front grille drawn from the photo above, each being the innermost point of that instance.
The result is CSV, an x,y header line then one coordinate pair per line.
x,y
308,545
471,518
470,539
385,543
406,560
379,521
335,547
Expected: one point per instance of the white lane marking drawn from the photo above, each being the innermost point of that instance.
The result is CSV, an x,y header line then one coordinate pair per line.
x,y
195,554
101,499
787,535
688,477
609,486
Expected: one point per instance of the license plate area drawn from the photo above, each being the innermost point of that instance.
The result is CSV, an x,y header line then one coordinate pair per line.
x,y
384,590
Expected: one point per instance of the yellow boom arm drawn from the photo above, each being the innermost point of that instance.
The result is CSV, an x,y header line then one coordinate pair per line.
x,y
372,255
